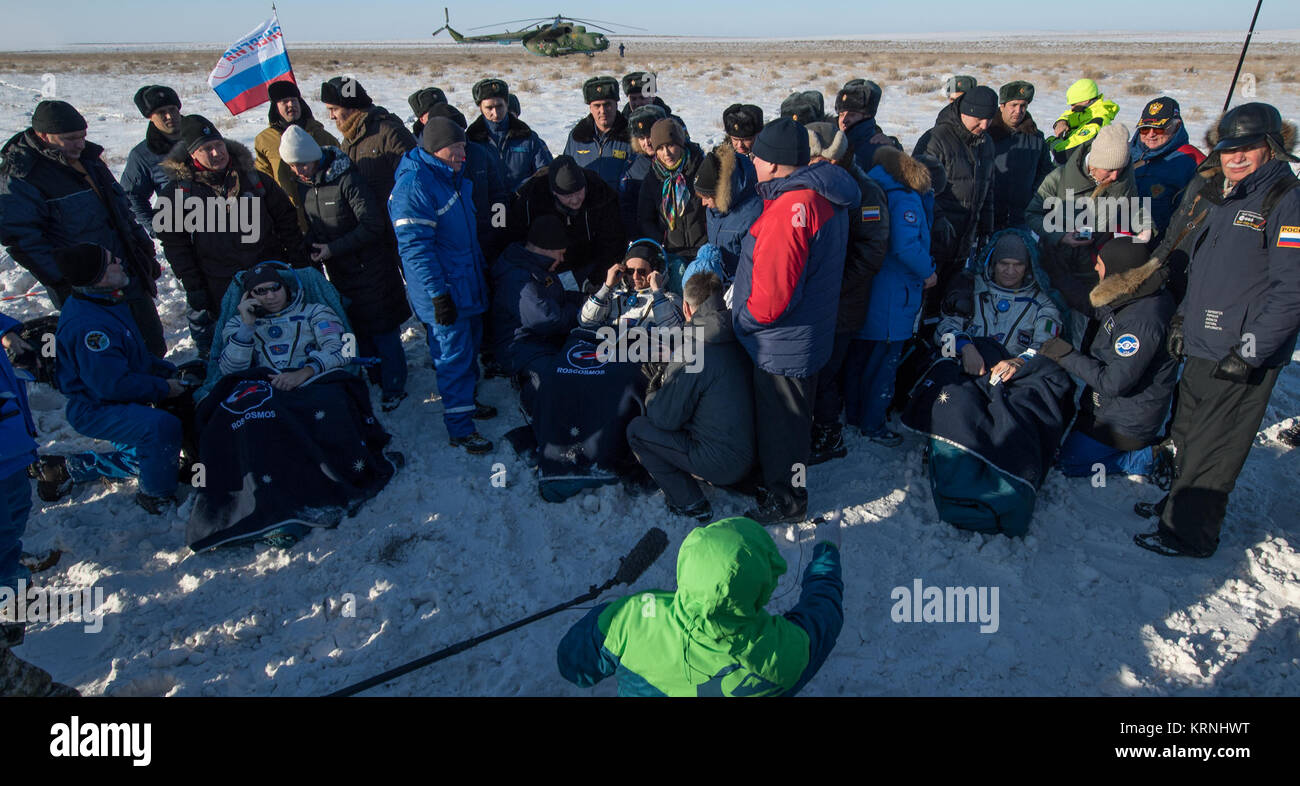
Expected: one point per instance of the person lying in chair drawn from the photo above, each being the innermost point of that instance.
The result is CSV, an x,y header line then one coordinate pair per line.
x,y
276,329
634,294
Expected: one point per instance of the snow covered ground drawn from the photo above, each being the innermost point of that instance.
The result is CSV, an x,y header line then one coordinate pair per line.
x,y
443,554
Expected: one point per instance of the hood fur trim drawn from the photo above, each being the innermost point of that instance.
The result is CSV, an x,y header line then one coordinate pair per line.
x,y
1112,288
903,168
726,171
178,167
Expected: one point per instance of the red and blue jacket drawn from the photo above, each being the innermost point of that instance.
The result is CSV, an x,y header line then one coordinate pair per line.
x,y
787,286
1163,173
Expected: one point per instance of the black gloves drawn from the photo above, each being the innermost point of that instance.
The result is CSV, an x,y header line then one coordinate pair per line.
x,y
1055,348
198,300
444,310
1232,368
1174,341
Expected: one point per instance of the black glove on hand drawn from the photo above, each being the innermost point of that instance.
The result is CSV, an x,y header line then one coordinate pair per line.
x,y
1055,348
444,310
1174,342
1233,368
198,300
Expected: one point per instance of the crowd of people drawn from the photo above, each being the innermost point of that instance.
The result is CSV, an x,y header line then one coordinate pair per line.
x,y
804,256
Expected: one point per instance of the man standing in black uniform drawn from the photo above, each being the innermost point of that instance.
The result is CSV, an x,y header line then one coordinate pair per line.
x,y
1237,326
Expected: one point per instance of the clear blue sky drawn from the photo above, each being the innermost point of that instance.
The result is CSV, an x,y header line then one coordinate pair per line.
x,y
34,25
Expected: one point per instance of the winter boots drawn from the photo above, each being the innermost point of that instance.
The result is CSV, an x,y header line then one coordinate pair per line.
x,y
52,479
155,506
827,443
475,444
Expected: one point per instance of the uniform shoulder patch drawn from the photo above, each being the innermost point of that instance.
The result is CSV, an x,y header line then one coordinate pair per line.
x,y
1249,219
1288,237
620,154
96,341
909,216
1127,345
870,213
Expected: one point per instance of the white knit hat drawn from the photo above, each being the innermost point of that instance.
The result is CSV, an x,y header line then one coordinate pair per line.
x,y
297,146
1110,148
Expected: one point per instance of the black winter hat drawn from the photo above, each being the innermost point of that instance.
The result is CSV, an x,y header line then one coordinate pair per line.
x,y
490,88
282,89
57,117
450,112
636,81
959,84
706,177
197,130
260,274
742,121
600,88
151,98
853,99
440,132
1122,253
548,232
1018,90
782,141
642,120
346,92
424,99
565,176
83,264
874,93
980,101
1159,113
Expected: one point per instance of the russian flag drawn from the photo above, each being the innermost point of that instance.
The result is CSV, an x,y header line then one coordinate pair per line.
x,y
249,65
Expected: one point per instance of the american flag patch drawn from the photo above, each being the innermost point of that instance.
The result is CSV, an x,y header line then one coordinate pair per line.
x,y
1288,237
326,327
871,213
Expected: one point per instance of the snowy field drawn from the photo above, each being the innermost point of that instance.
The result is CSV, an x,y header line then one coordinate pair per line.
x,y
443,554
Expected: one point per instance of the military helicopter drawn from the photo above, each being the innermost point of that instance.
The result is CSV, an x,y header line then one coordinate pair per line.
x,y
545,36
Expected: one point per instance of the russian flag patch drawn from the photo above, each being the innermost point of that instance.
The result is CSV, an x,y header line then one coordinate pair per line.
x,y
1288,237
871,213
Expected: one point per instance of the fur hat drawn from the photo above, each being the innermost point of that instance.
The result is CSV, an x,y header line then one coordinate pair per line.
x,y
873,95
489,88
298,147
346,92
1018,90
635,82
827,141
959,84
282,89
1110,148
424,99
600,88
151,98
640,121
57,117
804,107
666,132
742,121
83,264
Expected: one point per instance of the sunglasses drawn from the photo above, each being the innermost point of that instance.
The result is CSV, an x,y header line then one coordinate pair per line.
x,y
639,271
1150,131
265,289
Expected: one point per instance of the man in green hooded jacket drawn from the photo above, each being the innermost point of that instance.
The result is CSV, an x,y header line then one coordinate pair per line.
x,y
713,637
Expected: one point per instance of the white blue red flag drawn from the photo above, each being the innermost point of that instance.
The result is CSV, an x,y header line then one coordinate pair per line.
x,y
249,65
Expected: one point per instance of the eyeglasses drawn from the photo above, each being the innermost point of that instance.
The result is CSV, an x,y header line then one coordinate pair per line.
x,y
265,289
639,271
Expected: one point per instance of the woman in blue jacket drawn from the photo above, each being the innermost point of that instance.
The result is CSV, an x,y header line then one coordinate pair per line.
x,y
907,271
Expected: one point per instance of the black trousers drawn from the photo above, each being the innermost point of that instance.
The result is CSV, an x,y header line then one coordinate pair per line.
x,y
829,401
1213,431
666,455
783,414
145,313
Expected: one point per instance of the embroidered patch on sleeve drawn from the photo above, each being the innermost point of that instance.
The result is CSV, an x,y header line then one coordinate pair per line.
x,y
96,341
1250,220
1288,237
871,213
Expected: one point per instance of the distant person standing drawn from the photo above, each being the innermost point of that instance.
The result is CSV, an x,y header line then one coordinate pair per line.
x,y
620,50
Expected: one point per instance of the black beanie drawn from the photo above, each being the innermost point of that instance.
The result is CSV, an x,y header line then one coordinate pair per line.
x,y
424,99
1122,253
979,102
57,117
282,89
440,132
83,264
261,273
742,121
346,92
197,130
706,177
600,88
782,141
449,112
565,176
548,232
151,98
490,88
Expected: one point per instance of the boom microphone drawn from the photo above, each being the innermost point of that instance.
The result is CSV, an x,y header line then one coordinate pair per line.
x,y
642,556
